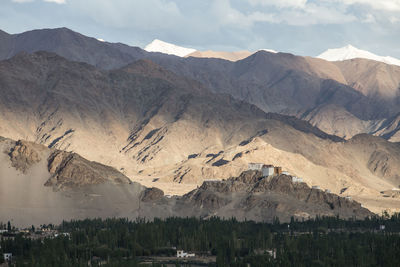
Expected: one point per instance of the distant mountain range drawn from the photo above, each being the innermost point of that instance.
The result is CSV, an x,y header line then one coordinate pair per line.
x,y
337,54
172,121
171,49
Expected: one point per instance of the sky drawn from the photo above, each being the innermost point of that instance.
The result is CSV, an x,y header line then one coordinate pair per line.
x,y
302,27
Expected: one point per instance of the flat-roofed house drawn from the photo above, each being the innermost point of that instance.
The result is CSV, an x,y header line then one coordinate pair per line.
x,y
7,256
267,170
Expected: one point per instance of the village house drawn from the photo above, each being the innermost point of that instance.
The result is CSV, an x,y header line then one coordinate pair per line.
x,y
7,256
182,254
62,234
272,253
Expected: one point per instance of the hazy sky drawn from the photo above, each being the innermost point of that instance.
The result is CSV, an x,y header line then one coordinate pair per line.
x,y
304,27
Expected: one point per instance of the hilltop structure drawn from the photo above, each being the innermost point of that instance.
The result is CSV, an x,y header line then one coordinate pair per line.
x,y
267,170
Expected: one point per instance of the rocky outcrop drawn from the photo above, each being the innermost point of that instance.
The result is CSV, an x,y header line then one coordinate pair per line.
x,y
23,155
69,170
152,194
253,196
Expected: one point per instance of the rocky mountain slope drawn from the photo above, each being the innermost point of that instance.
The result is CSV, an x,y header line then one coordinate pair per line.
x,y
377,81
372,78
287,84
168,131
67,170
41,185
71,45
362,91
231,56
251,196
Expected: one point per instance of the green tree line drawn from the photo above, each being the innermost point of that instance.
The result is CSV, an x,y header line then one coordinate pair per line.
x,y
323,241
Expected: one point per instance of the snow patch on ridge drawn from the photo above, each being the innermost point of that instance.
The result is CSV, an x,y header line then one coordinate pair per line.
x,y
350,52
269,50
167,48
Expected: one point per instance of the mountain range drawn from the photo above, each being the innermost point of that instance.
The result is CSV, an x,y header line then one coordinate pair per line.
x,y
171,49
172,122
336,54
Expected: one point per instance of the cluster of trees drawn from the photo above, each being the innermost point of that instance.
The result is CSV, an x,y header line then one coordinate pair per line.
x,y
326,241
7,226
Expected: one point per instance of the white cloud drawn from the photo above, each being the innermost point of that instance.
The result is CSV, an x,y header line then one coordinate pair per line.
x,y
225,14
369,18
314,14
56,1
310,14
50,1
394,19
144,15
387,5
22,1
279,3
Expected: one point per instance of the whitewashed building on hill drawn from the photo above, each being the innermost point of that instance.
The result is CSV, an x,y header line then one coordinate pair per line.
x,y
297,179
266,170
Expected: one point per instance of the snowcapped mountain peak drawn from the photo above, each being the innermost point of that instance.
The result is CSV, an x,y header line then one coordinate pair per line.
x,y
167,48
269,50
350,52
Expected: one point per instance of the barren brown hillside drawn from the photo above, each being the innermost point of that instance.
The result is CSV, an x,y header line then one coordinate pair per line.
x,y
365,92
160,129
231,56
